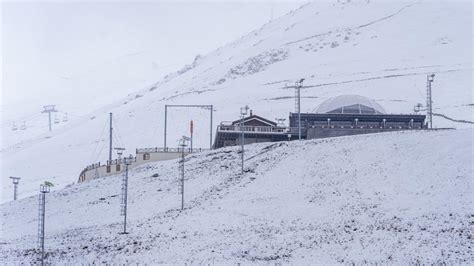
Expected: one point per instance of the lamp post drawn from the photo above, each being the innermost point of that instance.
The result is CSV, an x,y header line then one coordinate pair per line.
x,y
243,113
429,101
16,181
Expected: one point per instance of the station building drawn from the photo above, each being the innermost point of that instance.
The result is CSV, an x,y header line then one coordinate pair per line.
x,y
339,116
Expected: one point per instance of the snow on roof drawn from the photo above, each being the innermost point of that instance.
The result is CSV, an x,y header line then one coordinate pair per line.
x,y
349,104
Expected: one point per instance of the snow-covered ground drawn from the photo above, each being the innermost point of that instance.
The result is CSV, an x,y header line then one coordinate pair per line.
x,y
402,197
382,50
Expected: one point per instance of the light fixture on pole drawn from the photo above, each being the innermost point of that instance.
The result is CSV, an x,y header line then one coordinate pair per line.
x,y
418,107
280,122
16,181
243,113
183,142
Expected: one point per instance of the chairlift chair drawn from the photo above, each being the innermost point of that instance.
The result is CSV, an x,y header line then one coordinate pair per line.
x,y
65,118
23,127
14,127
56,120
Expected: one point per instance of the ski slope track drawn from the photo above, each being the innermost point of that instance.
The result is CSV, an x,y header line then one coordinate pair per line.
x,y
382,50
401,197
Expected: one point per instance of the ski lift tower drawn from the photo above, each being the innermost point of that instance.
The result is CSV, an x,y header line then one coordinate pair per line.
x,y
49,109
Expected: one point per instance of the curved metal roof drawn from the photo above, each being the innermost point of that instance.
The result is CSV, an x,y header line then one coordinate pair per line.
x,y
350,104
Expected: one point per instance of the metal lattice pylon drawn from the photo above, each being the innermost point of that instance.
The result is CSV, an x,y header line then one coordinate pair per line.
x,y
41,211
123,199
41,218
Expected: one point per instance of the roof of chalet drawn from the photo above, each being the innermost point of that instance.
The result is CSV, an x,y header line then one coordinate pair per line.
x,y
255,117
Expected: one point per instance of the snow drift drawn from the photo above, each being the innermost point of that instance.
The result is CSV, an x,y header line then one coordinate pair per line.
x,y
402,197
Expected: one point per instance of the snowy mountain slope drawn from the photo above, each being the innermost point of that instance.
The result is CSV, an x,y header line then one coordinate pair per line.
x,y
378,49
392,198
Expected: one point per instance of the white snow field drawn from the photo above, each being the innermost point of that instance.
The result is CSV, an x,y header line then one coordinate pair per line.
x,y
402,197
381,49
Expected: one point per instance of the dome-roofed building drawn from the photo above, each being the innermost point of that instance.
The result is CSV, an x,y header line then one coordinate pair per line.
x,y
350,104
352,115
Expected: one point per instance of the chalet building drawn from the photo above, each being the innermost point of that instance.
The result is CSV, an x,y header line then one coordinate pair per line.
x,y
339,116
256,129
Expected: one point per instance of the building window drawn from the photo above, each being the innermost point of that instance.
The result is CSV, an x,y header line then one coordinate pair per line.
x,y
146,156
108,169
117,167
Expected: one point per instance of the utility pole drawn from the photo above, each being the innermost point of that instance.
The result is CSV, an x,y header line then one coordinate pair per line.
x,y
16,181
243,113
210,144
124,205
41,218
110,139
429,101
298,86
166,122
183,142
49,109
191,129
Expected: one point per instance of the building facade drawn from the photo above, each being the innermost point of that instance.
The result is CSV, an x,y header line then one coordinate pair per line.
x,y
339,116
142,156
256,129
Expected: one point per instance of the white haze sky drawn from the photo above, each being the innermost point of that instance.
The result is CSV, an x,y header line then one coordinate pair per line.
x,y
81,55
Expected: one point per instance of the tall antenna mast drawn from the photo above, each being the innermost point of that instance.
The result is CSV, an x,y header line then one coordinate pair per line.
x,y
298,86
429,100
110,139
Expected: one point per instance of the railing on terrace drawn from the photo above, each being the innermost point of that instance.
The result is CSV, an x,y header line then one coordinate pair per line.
x,y
121,161
157,150
257,129
93,166
367,127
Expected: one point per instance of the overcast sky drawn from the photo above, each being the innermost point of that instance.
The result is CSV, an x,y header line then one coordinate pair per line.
x,y
61,52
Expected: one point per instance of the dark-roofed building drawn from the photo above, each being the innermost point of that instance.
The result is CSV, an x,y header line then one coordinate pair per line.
x,y
256,129
338,116
352,115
